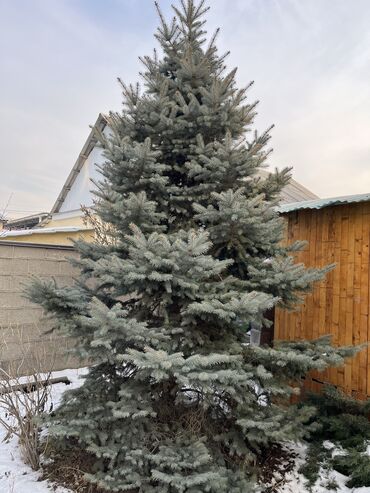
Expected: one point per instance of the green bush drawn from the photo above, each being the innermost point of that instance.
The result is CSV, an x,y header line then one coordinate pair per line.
x,y
317,455
356,465
345,422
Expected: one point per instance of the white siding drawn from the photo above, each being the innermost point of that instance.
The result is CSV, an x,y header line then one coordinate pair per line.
x,y
80,192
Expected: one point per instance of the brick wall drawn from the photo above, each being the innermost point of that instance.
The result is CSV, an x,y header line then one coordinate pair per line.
x,y
23,341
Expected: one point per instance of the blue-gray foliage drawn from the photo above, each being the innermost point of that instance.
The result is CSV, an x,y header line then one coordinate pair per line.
x,y
176,400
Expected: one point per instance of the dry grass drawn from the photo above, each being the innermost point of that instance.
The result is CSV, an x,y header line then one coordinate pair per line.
x,y
68,469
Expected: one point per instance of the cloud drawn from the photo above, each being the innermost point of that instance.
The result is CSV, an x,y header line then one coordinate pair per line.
x,y
310,62
60,58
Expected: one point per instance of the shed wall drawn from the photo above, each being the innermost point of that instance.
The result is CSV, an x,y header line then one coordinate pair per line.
x,y
338,305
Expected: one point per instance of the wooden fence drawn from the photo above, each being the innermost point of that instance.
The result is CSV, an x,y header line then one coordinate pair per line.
x,y
339,305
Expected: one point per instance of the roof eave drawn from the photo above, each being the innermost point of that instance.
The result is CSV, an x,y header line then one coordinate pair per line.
x,y
42,231
322,203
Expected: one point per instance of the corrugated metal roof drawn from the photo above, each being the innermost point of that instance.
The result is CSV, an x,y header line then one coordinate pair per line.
x,y
321,203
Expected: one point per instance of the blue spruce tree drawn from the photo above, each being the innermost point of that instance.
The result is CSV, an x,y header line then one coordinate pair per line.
x,y
176,400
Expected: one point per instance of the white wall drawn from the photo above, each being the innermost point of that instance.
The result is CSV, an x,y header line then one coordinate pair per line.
x,y
80,193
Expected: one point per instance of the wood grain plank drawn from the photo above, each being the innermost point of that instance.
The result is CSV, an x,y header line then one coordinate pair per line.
x,y
356,336
364,378
317,262
308,330
343,286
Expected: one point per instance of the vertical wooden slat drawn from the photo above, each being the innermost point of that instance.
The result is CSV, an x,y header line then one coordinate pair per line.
x,y
356,312
303,319
340,304
364,300
308,330
343,286
365,293
349,336
336,228
316,290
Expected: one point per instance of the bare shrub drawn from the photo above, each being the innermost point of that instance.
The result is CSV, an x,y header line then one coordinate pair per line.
x,y
24,398
104,233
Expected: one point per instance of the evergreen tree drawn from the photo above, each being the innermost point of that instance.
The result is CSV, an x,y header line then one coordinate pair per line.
x,y
176,400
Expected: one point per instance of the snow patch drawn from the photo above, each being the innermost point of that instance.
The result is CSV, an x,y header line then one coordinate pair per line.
x,y
15,475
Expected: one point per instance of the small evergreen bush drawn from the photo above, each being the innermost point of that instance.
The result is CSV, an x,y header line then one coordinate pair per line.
x,y
344,421
354,464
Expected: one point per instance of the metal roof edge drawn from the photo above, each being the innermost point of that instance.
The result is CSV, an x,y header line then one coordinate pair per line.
x,y
101,122
321,203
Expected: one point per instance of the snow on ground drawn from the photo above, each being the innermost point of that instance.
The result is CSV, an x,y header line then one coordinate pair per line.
x,y
296,483
17,477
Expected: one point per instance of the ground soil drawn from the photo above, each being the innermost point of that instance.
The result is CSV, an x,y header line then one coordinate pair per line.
x,y
274,464
68,470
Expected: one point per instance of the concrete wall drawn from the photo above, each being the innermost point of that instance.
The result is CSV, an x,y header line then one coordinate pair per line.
x,y
22,325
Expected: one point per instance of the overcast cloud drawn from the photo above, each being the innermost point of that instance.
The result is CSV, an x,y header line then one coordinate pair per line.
x,y
310,60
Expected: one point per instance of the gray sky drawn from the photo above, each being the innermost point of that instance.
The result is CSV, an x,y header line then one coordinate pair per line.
x,y
310,60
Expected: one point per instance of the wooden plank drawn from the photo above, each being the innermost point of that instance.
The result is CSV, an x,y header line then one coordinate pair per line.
x,y
331,245
357,294
283,322
337,227
317,262
365,299
303,235
349,301
33,385
326,299
278,329
307,331
343,286
277,324
363,357
364,282
292,321
364,379
323,260
285,223
335,237
317,291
